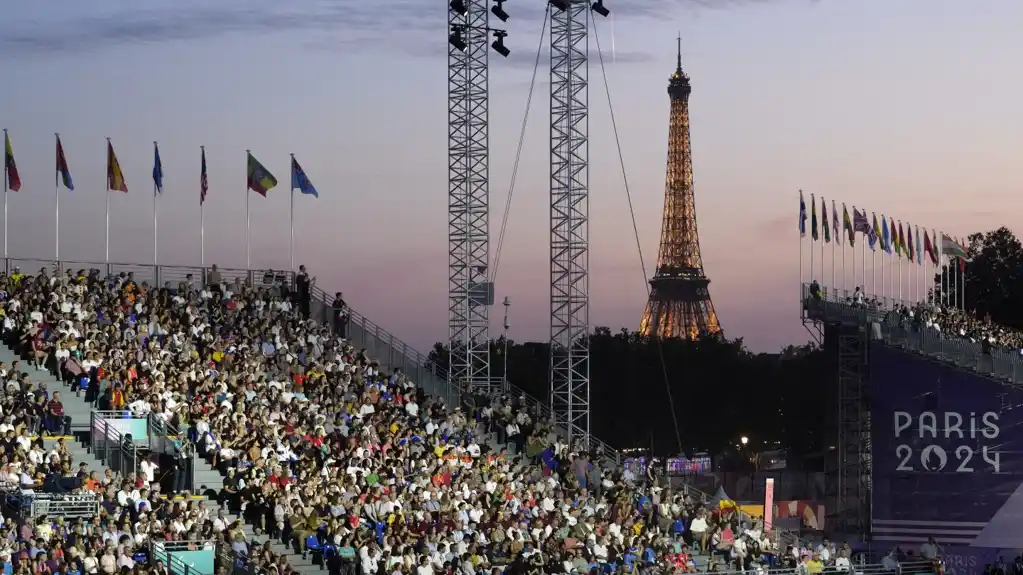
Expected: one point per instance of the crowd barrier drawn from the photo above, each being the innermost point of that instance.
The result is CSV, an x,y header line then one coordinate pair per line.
x,y
837,306
34,504
109,433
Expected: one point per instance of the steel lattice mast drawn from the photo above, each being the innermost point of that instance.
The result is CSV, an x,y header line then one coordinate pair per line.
x,y
679,304
468,196
570,301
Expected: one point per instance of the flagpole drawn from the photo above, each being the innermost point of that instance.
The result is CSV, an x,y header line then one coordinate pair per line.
x,y
248,221
292,245
5,195
56,210
202,221
156,192
107,242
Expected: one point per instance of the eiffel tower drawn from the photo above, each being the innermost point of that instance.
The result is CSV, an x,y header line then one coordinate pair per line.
x,y
679,304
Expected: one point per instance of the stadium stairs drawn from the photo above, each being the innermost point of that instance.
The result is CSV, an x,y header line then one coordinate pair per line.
x,y
74,407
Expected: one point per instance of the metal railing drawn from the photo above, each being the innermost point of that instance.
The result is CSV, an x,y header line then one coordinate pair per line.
x,y
66,505
108,444
900,332
166,551
904,568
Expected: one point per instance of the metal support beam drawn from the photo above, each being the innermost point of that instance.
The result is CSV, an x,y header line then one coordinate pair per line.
x,y
854,448
570,310
469,293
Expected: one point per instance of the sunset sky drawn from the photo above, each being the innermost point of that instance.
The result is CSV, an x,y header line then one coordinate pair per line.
x,y
907,107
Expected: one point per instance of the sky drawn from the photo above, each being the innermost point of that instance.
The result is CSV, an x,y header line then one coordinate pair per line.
x,y
906,107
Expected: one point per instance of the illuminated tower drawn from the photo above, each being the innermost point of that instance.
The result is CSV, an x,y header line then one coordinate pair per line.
x,y
679,304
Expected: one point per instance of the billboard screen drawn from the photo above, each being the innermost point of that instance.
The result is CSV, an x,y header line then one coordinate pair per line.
x,y
946,454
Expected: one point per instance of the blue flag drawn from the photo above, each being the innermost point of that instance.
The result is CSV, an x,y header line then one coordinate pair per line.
x,y
886,238
300,181
157,169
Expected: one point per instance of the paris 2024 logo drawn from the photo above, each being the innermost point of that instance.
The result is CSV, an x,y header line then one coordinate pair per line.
x,y
947,441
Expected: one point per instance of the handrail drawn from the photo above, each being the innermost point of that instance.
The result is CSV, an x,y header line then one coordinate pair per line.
x,y
915,567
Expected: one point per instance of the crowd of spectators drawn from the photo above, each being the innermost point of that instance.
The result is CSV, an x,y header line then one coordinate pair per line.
x,y
949,320
323,450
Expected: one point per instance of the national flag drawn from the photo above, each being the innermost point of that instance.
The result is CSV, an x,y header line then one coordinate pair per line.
x,y
848,226
962,260
204,182
909,243
260,179
920,249
824,218
115,177
802,215
157,169
813,218
877,231
902,241
65,172
886,238
834,223
951,248
300,181
13,179
929,248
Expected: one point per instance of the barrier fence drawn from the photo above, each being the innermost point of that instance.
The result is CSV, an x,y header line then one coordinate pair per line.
x,y
35,504
112,441
899,332
191,557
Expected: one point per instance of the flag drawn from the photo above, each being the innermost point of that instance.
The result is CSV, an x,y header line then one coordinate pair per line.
x,y
877,231
849,227
115,177
65,172
920,249
886,238
902,240
13,179
260,179
951,248
157,169
813,218
962,260
204,182
802,215
824,218
300,181
929,248
909,243
834,223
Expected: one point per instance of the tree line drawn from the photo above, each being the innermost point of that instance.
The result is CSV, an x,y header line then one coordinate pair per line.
x,y
720,391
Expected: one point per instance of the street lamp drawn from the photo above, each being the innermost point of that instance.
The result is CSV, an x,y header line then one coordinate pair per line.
x,y
744,440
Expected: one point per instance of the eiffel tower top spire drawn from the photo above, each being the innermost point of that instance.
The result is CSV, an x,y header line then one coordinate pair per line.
x,y
678,86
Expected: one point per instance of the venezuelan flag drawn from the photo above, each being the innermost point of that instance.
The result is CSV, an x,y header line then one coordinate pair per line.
x,y
115,177
13,178
260,179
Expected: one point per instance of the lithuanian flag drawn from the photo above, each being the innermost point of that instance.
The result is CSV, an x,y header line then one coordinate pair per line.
x,y
115,177
260,179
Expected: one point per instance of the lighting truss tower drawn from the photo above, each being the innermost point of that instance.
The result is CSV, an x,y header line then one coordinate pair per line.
x,y
570,257
469,292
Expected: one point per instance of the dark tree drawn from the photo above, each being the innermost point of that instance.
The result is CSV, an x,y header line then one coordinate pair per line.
x,y
719,391
992,278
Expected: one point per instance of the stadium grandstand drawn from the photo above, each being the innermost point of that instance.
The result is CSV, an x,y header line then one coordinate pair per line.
x,y
194,421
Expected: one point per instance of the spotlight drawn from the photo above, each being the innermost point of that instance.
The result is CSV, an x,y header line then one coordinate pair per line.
x,y
456,40
498,10
458,6
498,44
599,8
560,4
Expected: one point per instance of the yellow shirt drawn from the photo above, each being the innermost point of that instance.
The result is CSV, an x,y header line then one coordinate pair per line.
x,y
814,566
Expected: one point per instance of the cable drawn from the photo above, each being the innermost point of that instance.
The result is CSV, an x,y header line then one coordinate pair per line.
x,y
635,229
518,150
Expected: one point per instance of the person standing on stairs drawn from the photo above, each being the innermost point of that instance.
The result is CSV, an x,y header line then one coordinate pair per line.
x,y
56,421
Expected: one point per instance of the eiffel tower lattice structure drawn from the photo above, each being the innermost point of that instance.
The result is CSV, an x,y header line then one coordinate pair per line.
x,y
679,304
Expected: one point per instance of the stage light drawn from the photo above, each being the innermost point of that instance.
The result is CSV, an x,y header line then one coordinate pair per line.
x,y
498,10
498,44
458,6
560,4
456,40
599,8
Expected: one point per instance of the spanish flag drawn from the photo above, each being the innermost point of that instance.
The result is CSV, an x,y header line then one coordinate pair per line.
x,y
115,177
13,179
260,179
